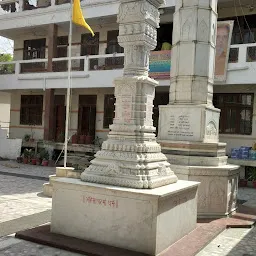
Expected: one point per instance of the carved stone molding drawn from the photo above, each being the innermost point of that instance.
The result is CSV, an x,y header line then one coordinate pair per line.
x,y
130,156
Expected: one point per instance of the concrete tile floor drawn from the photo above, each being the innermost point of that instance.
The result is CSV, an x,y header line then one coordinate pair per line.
x,y
21,197
232,242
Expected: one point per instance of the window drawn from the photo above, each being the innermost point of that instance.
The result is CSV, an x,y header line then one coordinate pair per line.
x,y
34,49
112,43
236,112
244,31
109,110
31,109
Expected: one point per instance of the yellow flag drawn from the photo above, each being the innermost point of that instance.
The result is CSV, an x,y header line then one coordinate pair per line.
x,y
78,17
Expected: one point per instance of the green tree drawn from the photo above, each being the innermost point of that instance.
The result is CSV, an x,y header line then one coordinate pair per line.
x,y
6,68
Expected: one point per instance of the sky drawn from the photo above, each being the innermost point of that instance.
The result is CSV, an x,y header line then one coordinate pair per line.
x,y
6,45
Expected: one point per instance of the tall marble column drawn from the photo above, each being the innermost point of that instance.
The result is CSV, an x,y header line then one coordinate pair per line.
x,y
131,157
189,125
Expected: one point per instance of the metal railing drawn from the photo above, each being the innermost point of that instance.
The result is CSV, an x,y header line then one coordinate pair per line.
x,y
13,6
78,64
9,6
242,53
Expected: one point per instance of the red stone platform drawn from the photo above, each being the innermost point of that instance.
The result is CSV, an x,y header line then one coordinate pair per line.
x,y
190,245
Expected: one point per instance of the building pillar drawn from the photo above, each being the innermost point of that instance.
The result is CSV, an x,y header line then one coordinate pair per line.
x,y
189,125
52,45
131,157
49,116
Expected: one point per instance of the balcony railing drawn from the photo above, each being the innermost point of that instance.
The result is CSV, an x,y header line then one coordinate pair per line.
x,y
13,6
78,64
9,6
242,53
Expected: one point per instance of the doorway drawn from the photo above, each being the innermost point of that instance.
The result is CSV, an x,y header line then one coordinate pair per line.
x,y
87,115
60,117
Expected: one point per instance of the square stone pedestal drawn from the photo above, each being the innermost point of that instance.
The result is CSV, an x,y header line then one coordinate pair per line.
x,y
142,220
217,193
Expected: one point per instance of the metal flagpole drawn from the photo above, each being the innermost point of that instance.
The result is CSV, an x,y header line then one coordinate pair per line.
x,y
69,87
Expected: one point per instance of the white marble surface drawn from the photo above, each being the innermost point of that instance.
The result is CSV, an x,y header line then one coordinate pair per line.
x,y
218,188
10,148
3,134
188,123
131,157
141,220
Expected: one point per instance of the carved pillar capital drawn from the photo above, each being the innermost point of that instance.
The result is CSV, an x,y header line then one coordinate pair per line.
x,y
138,20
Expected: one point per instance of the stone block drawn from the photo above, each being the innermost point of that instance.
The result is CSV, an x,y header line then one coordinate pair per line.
x,y
147,221
217,193
73,174
183,123
186,60
197,160
3,134
62,171
190,148
47,189
202,55
10,148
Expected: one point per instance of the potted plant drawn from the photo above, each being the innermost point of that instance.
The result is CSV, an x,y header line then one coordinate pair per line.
x,y
45,161
31,139
88,139
26,155
33,158
38,159
82,139
74,139
243,182
26,137
19,159
253,177
61,137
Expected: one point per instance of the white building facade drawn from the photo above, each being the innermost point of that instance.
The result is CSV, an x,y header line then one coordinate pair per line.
x,y
36,80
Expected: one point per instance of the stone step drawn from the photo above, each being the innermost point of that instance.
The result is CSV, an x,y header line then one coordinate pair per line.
x,y
196,160
47,189
52,178
61,172
74,174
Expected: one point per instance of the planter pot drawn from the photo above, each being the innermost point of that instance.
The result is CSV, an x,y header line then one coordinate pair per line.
x,y
25,160
82,139
33,161
254,183
243,183
31,140
38,162
74,139
45,162
19,159
51,163
88,139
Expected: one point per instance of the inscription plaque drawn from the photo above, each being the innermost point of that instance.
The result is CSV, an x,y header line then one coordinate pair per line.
x,y
124,109
180,124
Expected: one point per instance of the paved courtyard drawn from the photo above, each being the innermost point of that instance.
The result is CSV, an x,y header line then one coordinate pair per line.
x,y
22,206
232,242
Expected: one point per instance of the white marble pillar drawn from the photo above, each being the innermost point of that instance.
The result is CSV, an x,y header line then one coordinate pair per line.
x,y
189,125
131,157
192,75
